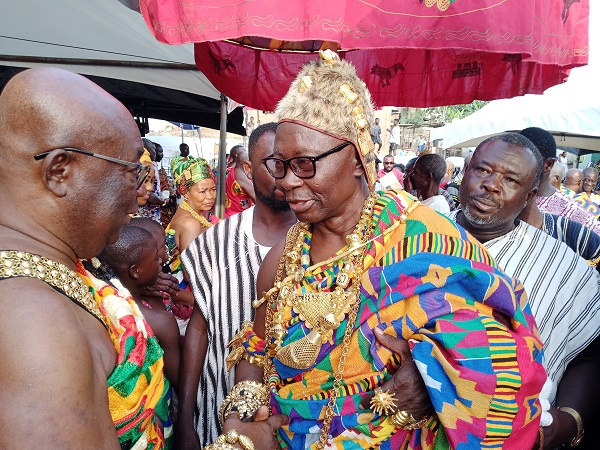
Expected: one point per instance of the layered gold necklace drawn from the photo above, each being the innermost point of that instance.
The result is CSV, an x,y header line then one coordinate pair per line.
x,y
186,207
321,312
23,264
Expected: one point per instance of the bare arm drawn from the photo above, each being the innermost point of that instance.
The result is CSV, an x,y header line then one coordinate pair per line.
x,y
166,330
194,353
244,182
53,391
264,281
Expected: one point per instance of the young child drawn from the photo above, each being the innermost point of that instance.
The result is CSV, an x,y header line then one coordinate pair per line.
x,y
136,260
177,300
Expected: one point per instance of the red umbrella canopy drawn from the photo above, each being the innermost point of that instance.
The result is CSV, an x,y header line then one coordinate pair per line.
x,y
415,53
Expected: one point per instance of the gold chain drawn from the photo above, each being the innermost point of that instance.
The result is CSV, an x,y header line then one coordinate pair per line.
x,y
345,347
23,264
186,207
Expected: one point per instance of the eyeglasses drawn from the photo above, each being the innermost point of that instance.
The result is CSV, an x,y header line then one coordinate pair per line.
x,y
141,171
302,166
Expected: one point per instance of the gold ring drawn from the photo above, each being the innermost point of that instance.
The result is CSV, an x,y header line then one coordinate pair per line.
x,y
406,421
382,402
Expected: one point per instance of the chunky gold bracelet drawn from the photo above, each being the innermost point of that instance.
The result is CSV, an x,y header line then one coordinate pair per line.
x,y
227,441
245,398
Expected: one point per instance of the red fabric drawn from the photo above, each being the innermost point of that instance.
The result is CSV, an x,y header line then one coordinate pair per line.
x,y
408,53
236,198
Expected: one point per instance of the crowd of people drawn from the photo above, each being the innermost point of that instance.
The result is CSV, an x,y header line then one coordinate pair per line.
x,y
335,306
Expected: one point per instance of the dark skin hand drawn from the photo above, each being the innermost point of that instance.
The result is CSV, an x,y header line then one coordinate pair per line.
x,y
578,389
261,430
406,383
194,353
165,287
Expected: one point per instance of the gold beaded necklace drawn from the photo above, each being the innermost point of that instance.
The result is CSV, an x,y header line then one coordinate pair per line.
x,y
322,312
186,207
23,264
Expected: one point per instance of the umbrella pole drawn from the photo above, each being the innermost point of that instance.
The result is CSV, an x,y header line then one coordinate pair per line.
x,y
220,210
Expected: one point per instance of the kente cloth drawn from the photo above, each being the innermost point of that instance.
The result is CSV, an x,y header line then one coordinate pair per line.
x,y
560,204
563,291
469,328
578,237
138,391
584,201
236,199
188,171
592,197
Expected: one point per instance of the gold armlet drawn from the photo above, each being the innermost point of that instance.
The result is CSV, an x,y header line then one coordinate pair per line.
x,y
256,360
237,345
227,440
245,398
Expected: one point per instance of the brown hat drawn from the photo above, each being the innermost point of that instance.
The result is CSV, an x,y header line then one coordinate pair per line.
x,y
328,96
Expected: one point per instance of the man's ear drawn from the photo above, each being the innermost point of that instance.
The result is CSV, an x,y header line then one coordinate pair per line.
x,y
57,168
134,272
247,168
548,164
531,195
359,170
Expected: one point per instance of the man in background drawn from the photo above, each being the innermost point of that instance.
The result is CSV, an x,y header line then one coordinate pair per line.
x,y
222,265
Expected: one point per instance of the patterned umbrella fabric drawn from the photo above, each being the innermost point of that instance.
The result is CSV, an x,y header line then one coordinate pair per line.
x,y
415,53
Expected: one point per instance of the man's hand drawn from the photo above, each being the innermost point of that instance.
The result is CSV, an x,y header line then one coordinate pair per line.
x,y
562,430
406,383
165,286
261,430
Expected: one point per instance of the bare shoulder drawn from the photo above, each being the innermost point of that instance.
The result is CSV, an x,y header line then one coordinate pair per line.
x,y
54,368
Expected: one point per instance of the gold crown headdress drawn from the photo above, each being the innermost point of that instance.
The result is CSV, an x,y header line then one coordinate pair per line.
x,y
327,95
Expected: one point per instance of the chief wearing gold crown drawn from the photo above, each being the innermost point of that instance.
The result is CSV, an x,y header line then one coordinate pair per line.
x,y
382,324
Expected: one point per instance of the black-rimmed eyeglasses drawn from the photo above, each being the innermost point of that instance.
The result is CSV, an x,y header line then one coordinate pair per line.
x,y
141,171
301,166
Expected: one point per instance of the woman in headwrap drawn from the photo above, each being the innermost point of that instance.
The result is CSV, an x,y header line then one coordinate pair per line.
x,y
195,181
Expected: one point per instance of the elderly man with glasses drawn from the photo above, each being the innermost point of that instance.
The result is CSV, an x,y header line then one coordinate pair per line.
x,y
80,367
381,323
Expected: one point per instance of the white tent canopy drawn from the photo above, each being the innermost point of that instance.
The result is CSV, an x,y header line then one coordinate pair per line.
x,y
571,111
90,37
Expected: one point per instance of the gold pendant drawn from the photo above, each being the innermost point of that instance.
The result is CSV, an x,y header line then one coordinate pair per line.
x,y
303,353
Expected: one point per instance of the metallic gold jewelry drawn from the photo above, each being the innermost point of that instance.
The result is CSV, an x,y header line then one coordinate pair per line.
x,y
23,264
245,398
406,421
228,440
322,312
580,431
238,351
199,217
382,402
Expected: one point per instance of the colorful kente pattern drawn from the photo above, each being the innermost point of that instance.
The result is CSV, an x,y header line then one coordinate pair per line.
x,y
138,392
469,328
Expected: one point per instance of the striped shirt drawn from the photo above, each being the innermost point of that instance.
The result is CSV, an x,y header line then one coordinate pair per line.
x,y
563,291
578,237
222,264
